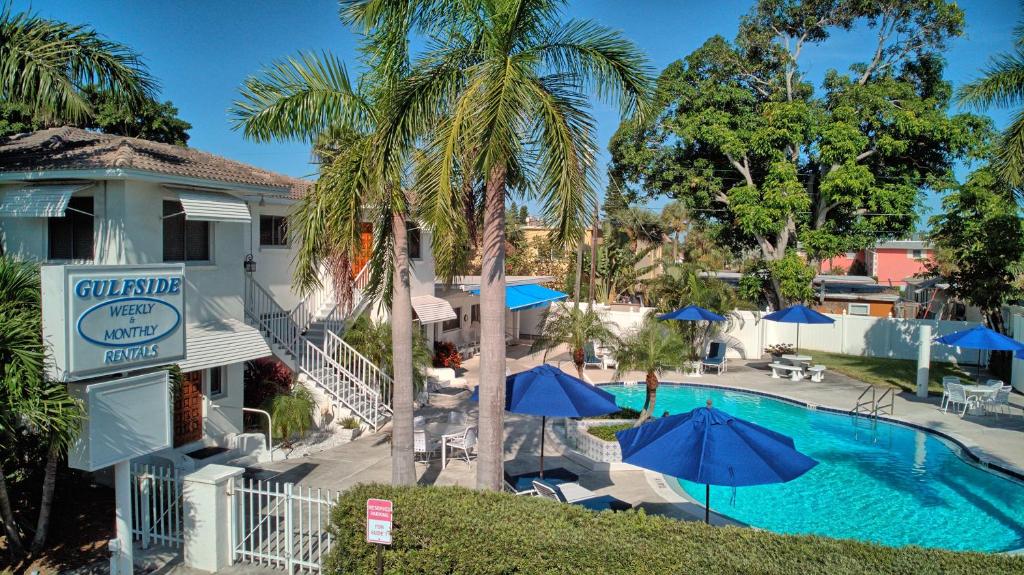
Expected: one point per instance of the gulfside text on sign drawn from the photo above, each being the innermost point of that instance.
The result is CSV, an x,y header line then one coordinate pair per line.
x,y
378,521
114,318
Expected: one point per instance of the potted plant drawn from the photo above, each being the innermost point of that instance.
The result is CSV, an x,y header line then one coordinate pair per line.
x,y
778,350
350,428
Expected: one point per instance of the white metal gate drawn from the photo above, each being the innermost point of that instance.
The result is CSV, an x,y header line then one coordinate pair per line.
x,y
157,516
281,524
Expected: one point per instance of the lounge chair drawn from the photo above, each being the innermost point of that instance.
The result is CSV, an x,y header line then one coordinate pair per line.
x,y
716,357
590,357
578,495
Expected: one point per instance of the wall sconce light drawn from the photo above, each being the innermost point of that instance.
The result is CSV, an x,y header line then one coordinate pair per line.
x,y
249,264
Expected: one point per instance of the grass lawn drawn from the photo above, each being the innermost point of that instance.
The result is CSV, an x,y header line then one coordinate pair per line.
x,y
899,373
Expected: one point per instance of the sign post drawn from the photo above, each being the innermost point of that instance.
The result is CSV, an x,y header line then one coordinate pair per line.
x,y
378,527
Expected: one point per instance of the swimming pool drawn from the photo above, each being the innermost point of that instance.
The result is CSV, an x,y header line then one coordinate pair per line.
x,y
880,482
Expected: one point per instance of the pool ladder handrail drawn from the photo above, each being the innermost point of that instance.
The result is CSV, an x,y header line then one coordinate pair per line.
x,y
875,406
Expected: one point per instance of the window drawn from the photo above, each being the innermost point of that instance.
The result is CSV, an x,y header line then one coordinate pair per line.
x,y
413,238
851,255
917,254
184,240
274,231
70,237
453,324
859,309
216,382
474,313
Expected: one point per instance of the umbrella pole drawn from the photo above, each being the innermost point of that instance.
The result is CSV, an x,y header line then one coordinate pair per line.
x,y
543,424
707,503
979,366
798,339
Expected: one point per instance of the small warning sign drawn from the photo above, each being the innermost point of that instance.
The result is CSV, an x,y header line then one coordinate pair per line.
x,y
378,521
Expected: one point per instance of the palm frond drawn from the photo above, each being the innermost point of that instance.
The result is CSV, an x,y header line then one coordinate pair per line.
x,y
1002,84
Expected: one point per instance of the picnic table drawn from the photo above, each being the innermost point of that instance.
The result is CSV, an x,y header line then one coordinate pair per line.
x,y
797,359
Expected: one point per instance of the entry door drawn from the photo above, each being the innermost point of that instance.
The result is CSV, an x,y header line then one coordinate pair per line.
x,y
365,248
188,409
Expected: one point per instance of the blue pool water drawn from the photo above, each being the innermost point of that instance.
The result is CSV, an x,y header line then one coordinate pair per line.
x,y
886,483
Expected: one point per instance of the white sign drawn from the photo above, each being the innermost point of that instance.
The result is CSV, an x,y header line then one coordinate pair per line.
x,y
124,418
378,521
102,320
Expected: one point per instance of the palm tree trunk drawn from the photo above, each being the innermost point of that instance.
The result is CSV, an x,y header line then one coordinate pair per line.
x,y
403,470
491,457
578,357
652,396
46,501
10,527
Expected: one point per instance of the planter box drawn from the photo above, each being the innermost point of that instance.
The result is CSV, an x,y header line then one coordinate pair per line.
x,y
347,435
592,447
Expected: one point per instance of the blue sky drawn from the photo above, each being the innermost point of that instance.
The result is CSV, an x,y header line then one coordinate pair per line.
x,y
201,51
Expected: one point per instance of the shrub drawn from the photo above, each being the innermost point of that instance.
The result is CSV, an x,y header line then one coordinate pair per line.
x,y
607,432
349,422
292,413
446,355
458,531
264,378
624,413
780,349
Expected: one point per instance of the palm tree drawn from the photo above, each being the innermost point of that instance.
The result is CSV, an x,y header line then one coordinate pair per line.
x,y
652,348
575,327
680,285
311,99
675,217
30,405
510,82
373,340
1003,86
45,64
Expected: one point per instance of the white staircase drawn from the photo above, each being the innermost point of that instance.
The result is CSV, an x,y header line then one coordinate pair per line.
x,y
306,339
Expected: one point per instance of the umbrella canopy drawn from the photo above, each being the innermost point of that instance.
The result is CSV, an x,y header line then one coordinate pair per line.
x,y
692,313
550,392
798,314
981,337
709,446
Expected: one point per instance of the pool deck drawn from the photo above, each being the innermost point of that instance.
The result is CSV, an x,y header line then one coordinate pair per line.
x,y
998,439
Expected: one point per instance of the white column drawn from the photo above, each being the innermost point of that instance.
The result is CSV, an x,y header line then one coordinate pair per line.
x,y
208,517
924,357
121,557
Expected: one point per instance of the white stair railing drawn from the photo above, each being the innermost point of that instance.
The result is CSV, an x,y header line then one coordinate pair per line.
x,y
360,367
264,313
342,385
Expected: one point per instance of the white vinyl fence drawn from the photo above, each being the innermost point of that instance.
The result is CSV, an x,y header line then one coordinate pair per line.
x,y
281,525
157,510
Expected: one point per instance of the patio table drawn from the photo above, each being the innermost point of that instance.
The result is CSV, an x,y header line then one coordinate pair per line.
x,y
795,359
445,431
980,392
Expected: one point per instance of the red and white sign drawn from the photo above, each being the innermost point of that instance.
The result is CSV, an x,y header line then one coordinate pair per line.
x,y
378,521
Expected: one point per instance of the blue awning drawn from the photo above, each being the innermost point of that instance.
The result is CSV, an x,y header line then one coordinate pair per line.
x,y
518,298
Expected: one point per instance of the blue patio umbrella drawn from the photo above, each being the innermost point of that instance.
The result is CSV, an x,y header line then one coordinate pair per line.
x,y
798,314
550,392
692,313
979,338
710,446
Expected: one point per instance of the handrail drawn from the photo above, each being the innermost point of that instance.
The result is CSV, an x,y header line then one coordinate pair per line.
x,y
263,309
359,366
270,429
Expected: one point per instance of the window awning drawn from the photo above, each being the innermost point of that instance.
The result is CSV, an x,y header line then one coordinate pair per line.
x,y
520,297
430,309
213,207
221,342
38,200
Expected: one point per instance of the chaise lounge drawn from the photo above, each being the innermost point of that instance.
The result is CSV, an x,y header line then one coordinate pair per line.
x,y
578,495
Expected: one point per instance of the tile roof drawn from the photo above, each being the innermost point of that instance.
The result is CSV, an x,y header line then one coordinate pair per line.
x,y
68,148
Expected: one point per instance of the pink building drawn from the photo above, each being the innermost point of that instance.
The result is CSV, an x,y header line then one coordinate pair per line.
x,y
890,262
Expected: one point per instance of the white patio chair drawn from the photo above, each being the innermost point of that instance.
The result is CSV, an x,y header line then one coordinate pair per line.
x,y
423,446
958,396
1000,400
997,383
464,442
945,393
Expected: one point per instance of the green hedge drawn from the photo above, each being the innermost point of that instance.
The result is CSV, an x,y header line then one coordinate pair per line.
x,y
607,432
456,531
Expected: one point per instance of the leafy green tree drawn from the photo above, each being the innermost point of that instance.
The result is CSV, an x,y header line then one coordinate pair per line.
x,y
674,218
45,63
575,327
505,90
680,285
620,263
35,413
1002,86
652,348
979,240
742,138
148,119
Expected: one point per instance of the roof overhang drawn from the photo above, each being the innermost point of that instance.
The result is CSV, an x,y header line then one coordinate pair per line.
x,y
221,342
430,309
142,175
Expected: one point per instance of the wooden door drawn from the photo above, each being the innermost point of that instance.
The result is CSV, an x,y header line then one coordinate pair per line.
x,y
365,248
188,409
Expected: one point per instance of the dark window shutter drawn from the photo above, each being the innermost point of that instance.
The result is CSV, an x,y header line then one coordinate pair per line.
x,y
197,237
174,232
82,228
413,238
